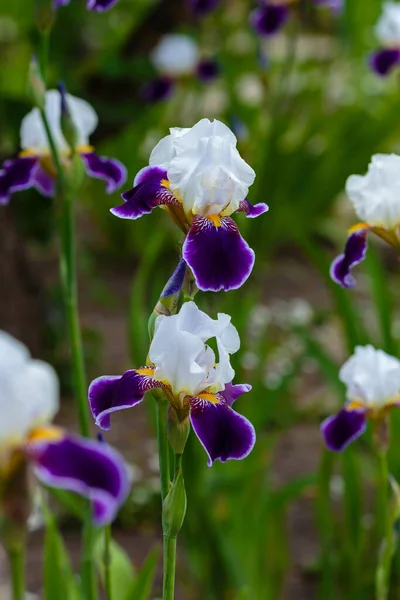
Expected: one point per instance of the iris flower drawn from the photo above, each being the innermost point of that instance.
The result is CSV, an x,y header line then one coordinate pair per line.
x,y
199,177
29,401
96,5
372,379
376,200
197,385
387,31
34,166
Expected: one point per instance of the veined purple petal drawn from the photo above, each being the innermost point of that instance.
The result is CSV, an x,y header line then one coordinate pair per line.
x,y
208,69
147,193
108,394
89,468
224,433
343,428
175,282
232,392
109,169
354,253
268,19
42,181
218,255
16,175
383,61
158,89
201,8
253,210
100,5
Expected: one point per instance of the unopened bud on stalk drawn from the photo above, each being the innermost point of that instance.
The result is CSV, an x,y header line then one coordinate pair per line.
x,y
174,506
68,127
36,84
168,302
178,429
45,15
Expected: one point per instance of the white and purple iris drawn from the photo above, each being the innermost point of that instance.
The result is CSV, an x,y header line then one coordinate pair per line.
x,y
376,200
387,31
29,399
96,5
198,175
34,166
176,56
197,383
272,15
372,379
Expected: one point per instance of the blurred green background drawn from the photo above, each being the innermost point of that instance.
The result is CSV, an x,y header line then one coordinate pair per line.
x,y
291,519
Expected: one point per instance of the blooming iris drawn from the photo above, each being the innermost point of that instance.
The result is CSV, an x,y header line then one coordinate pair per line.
x,y
387,31
198,175
372,378
34,166
96,5
28,402
376,200
198,387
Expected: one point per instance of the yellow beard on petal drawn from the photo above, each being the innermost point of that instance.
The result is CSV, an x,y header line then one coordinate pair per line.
x,y
48,433
215,220
208,397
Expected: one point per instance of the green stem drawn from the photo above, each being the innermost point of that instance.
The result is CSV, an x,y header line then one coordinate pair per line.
x,y
382,578
89,583
107,562
16,556
44,52
169,567
163,446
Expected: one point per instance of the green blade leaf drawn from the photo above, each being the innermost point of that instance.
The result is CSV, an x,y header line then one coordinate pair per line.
x,y
141,588
121,568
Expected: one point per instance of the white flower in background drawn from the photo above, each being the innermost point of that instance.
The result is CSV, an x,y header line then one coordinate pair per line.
x,y
376,195
387,29
176,54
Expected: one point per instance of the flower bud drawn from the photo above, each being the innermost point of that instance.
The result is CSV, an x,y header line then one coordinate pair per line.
x,y
174,506
178,428
168,302
44,15
68,127
36,84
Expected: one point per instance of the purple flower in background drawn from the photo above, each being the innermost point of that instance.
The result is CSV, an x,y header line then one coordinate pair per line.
x,y
207,69
376,200
387,31
198,174
336,6
372,379
269,18
201,8
29,399
96,5
34,166
197,383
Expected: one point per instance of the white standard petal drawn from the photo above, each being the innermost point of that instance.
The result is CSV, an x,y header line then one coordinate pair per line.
x,y
376,195
387,29
167,148
176,54
371,376
33,135
12,352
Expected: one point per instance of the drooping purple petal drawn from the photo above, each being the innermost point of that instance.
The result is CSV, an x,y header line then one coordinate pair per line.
x,y
232,392
224,433
208,69
253,210
201,8
269,19
175,282
16,175
158,89
109,169
87,467
100,5
108,394
42,181
217,254
354,253
148,192
343,428
383,61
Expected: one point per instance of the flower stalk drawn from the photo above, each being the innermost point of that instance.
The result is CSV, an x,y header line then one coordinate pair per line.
x,y
16,557
382,578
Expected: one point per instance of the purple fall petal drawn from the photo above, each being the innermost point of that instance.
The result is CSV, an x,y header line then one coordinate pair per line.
x,y
224,433
343,428
268,19
109,169
42,181
207,70
100,5
201,8
383,61
147,193
158,89
16,175
218,255
110,393
253,210
354,253
89,468
232,392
